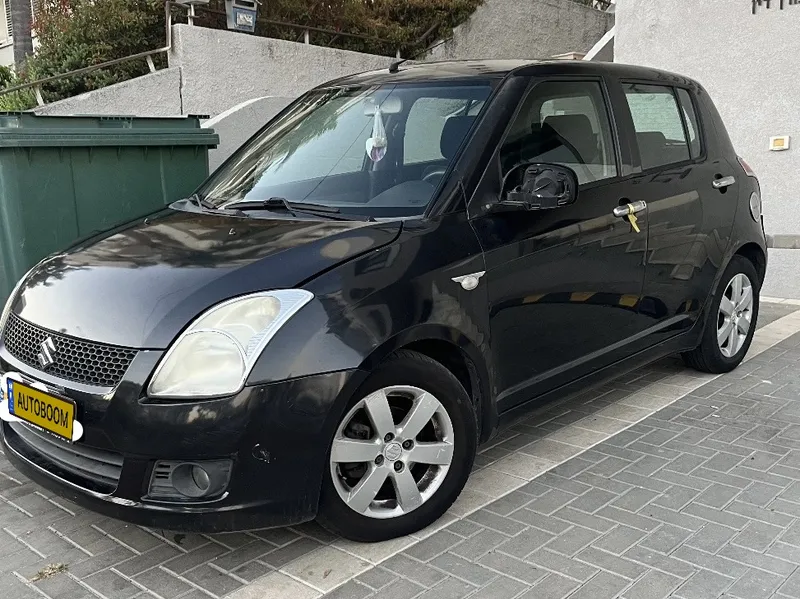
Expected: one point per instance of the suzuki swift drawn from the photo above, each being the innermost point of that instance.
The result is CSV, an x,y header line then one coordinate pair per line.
x,y
396,264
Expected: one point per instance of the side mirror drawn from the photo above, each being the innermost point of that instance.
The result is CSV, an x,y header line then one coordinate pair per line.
x,y
543,187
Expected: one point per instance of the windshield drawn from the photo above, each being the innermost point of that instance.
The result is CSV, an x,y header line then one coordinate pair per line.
x,y
376,151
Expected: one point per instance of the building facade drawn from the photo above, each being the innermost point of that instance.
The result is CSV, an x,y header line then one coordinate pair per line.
x,y
746,53
6,42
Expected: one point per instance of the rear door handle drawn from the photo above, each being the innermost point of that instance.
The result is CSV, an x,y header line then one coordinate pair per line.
x,y
724,182
632,208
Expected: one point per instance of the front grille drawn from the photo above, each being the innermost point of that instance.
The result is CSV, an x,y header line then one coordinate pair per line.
x,y
75,360
95,469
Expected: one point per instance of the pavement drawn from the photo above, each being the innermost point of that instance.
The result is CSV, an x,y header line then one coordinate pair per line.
x,y
663,483
782,274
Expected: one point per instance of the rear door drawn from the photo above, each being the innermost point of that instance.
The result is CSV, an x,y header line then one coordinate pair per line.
x,y
563,284
677,180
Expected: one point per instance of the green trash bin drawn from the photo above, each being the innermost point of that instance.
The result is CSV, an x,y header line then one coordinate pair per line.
x,y
65,178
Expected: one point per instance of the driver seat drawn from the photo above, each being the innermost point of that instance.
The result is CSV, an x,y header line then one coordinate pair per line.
x,y
453,134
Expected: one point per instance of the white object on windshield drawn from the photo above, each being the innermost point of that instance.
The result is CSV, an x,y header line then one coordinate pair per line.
x,y
377,144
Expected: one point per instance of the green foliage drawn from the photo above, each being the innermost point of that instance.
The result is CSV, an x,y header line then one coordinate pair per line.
x,y
78,33
20,100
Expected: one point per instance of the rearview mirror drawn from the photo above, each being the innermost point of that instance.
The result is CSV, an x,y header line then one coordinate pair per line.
x,y
390,105
543,187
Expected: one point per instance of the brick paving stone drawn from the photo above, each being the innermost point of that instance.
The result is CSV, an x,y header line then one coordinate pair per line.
x,y
525,542
704,584
556,562
162,582
666,538
112,585
611,563
350,590
658,561
512,567
213,580
376,578
552,587
653,585
572,541
413,570
755,583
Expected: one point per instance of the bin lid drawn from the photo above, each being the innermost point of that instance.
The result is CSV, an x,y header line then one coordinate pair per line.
x,y
26,129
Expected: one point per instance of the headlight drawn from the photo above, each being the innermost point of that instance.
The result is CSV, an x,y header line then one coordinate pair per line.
x,y
215,355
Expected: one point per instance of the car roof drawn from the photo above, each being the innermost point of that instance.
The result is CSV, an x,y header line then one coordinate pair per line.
x,y
494,69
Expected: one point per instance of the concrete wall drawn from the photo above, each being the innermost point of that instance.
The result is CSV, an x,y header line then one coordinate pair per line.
x,y
750,67
238,124
223,68
526,29
156,94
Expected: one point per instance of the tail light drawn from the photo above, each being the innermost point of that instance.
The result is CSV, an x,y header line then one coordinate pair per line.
x,y
747,169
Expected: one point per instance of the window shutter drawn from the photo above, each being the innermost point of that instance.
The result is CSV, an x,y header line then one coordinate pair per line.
x,y
9,30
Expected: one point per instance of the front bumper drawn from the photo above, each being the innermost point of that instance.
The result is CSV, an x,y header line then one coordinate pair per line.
x,y
277,436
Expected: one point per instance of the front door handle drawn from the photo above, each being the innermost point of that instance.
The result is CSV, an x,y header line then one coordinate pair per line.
x,y
632,208
723,182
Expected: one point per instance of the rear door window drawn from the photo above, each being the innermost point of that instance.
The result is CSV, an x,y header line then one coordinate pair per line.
x,y
658,123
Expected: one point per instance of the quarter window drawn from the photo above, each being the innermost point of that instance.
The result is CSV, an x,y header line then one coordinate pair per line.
x,y
692,127
658,123
566,123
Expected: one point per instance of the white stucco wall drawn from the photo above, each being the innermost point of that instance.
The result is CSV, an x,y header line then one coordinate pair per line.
x,y
238,124
156,94
223,68
748,63
526,29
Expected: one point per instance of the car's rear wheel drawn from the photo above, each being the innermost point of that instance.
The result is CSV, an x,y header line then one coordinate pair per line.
x,y
732,319
401,454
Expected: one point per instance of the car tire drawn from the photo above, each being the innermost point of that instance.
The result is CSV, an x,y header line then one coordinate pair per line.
x,y
715,356
408,381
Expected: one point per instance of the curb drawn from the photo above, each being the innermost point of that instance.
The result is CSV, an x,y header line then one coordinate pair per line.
x,y
783,242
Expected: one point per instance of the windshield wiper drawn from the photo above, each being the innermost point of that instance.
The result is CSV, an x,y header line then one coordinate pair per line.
x,y
282,203
293,208
200,202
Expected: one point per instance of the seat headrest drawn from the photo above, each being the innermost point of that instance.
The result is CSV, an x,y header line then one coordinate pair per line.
x,y
454,132
652,148
575,129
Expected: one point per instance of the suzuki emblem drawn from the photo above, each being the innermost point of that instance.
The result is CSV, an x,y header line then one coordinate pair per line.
x,y
47,353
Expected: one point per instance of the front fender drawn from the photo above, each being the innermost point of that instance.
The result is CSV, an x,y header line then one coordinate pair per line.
x,y
404,293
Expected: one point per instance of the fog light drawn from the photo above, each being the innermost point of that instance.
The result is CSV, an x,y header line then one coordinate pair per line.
x,y
190,480
174,480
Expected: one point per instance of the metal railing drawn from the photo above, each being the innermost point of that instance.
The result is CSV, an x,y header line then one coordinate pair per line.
x,y
36,86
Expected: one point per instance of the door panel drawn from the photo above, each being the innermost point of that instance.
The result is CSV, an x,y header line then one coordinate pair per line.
x,y
563,288
689,219
564,284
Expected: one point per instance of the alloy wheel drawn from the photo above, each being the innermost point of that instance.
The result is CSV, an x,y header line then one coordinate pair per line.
x,y
735,315
392,452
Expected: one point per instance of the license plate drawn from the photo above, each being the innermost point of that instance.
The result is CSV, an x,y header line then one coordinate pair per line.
x,y
52,414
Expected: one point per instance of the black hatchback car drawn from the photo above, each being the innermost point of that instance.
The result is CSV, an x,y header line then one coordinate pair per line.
x,y
359,296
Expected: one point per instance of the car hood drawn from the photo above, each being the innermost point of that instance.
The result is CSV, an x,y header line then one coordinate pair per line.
x,y
140,285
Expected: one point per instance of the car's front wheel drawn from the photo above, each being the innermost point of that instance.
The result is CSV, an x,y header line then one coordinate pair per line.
x,y
731,320
401,454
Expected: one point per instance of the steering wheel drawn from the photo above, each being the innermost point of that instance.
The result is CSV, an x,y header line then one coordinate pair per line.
x,y
433,174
